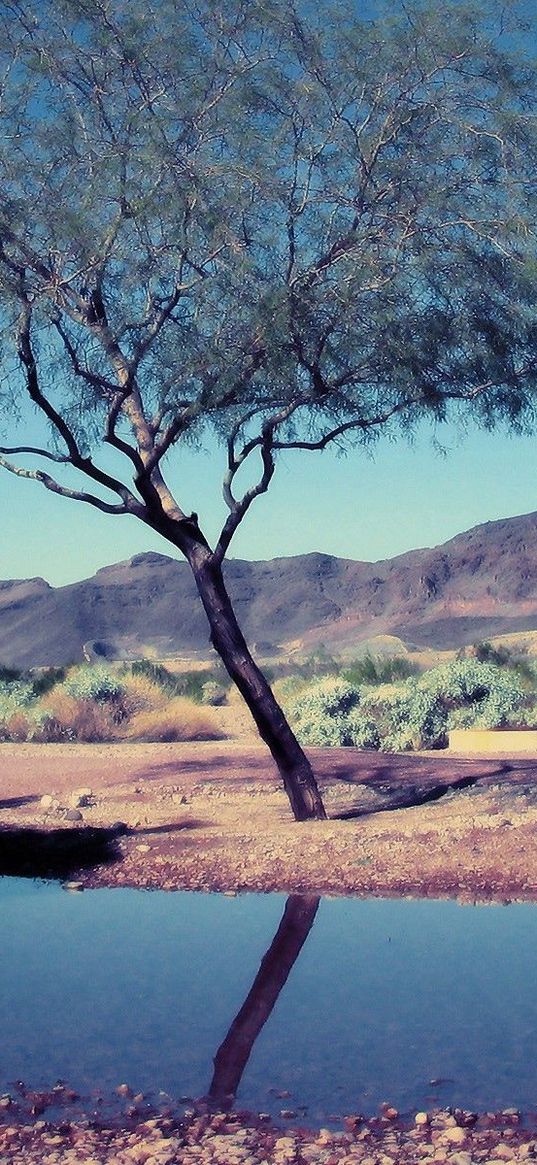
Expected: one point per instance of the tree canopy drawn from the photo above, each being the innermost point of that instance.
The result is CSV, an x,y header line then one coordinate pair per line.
x,y
289,228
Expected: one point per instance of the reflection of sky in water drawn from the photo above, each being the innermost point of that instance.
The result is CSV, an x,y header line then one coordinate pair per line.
x,y
107,986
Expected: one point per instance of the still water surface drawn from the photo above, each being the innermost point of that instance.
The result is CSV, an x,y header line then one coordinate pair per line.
x,y
386,995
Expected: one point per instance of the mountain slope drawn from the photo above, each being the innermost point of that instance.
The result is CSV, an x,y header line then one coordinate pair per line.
x,y
481,583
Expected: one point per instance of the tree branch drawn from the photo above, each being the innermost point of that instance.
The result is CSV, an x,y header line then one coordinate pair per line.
x,y
75,457
64,492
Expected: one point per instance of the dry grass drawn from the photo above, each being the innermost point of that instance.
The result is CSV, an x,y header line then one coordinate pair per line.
x,y
177,719
18,727
141,694
71,719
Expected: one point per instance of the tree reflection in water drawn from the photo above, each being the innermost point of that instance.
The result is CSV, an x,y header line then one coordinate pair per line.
x,y
276,965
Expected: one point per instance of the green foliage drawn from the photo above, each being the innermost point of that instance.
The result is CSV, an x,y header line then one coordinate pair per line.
x,y
372,669
15,696
486,652
321,712
153,671
190,684
47,679
364,732
213,189
415,713
94,682
213,694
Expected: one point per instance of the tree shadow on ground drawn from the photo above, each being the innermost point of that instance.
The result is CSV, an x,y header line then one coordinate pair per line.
x,y
407,797
169,827
18,802
56,853
239,768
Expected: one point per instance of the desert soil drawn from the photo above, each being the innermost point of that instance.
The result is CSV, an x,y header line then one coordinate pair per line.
x,y
212,816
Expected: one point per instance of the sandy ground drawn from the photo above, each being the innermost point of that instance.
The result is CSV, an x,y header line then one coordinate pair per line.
x,y
213,816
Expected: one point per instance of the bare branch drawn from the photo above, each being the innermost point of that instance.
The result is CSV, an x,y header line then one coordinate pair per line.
x,y
65,492
75,456
15,450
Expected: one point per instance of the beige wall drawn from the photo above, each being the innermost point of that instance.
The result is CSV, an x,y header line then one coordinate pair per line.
x,y
494,741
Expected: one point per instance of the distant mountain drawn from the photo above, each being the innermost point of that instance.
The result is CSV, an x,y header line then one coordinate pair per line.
x,y
481,583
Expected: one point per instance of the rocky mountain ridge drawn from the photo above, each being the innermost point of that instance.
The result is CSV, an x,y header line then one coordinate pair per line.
x,y
479,584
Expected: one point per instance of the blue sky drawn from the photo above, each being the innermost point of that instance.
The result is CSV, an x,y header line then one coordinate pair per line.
x,y
355,507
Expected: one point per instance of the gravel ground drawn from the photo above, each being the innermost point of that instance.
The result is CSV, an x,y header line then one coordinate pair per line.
x,y
439,1137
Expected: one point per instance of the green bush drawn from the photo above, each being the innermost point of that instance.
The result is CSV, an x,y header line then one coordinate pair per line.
x,y
414,713
47,679
213,694
364,732
9,674
372,669
320,713
189,683
94,682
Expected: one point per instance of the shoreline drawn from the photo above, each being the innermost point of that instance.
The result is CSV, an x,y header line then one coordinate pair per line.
x,y
454,1136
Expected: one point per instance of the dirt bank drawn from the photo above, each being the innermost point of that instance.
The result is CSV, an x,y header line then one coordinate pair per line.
x,y
212,816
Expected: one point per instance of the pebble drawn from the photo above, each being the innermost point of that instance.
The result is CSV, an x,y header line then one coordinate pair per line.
x,y
421,1119
224,1139
455,1136
74,815
80,798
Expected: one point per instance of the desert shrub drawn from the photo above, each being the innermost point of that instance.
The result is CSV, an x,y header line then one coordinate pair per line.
x,y
155,672
9,674
179,719
140,694
44,681
326,697
364,732
486,652
16,699
324,731
188,683
379,670
17,727
414,713
93,682
63,717
413,719
288,688
495,695
320,713
213,694
94,722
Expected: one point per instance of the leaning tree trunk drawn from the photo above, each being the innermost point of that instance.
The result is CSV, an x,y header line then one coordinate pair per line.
x,y
228,640
233,1053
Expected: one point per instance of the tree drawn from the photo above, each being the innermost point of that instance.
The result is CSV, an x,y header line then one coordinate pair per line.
x,y
291,231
